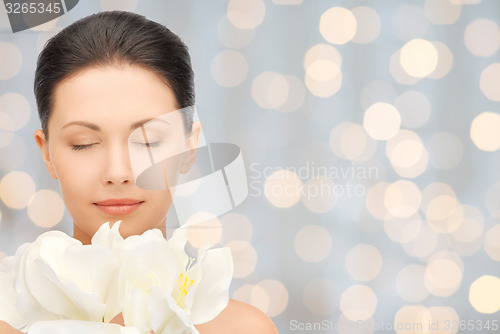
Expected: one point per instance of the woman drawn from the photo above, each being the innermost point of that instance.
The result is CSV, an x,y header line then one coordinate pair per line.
x,y
96,81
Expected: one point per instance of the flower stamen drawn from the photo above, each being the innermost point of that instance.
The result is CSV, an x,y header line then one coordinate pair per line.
x,y
184,283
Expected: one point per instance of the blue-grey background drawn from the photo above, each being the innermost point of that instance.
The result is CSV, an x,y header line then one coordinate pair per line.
x,y
392,221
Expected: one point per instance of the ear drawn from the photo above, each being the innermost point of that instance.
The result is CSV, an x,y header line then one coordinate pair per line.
x,y
43,144
192,143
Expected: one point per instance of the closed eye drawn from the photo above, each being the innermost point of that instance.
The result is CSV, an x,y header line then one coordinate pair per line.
x,y
81,147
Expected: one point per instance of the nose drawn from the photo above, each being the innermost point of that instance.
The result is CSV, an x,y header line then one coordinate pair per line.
x,y
117,168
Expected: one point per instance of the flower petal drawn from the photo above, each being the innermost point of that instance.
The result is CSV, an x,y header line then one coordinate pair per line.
x,y
136,312
108,237
8,311
166,316
79,327
178,243
213,272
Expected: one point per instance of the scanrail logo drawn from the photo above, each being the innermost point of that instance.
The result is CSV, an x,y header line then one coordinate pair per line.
x,y
26,14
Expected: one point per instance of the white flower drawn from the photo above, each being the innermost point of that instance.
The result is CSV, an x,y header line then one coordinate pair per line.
x,y
8,296
56,285
56,277
79,327
158,288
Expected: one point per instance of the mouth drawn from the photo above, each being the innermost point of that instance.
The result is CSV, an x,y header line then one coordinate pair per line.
x,y
118,207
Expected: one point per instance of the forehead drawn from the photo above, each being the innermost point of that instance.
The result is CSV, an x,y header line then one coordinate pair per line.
x,y
106,92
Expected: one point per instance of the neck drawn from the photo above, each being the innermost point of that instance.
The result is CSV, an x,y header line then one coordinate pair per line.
x,y
79,234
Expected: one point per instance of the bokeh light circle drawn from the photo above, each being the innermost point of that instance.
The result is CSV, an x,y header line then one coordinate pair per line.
x,y
46,208
318,83
375,200
443,277
353,141
358,302
322,88
231,36
482,37
368,24
350,141
11,60
254,295
278,296
322,52
296,95
442,315
313,243
488,82
411,319
322,70
236,226
397,71
402,198
484,130
423,244
229,68
364,262
15,111
407,154
484,294
283,188
410,283
270,90
381,121
17,189
207,230
419,58
445,61
246,14
471,227
5,139
338,25
442,11
319,194
244,258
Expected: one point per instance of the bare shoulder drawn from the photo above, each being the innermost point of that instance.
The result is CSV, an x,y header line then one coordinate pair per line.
x,y
239,318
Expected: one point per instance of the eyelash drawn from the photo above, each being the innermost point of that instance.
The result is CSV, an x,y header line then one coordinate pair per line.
x,y
84,147
81,147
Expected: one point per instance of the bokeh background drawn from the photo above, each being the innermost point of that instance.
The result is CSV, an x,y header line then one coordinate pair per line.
x,y
370,132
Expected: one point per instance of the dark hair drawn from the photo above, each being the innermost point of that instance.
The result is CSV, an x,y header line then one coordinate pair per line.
x,y
114,38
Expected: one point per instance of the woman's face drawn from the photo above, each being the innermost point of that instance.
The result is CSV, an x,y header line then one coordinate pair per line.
x,y
94,113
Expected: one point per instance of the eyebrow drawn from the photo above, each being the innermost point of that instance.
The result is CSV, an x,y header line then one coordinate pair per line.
x,y
95,127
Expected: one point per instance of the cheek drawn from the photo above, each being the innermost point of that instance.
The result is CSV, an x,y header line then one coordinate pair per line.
x,y
160,200
75,177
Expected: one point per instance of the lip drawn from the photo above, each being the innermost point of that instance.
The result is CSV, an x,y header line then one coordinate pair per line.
x,y
118,206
